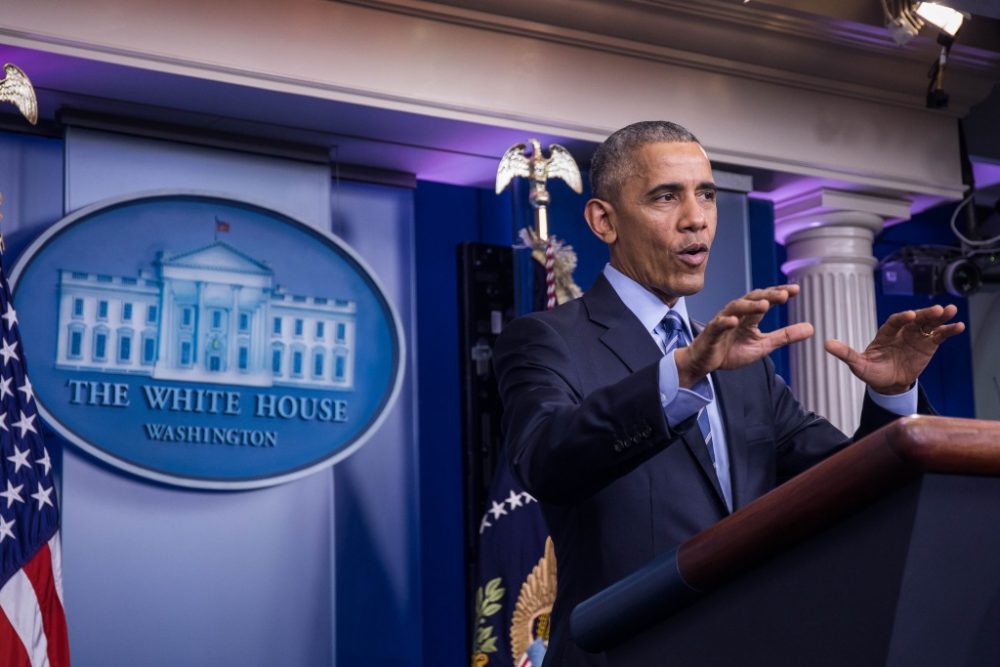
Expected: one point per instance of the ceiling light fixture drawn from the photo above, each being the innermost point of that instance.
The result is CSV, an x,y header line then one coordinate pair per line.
x,y
905,18
947,19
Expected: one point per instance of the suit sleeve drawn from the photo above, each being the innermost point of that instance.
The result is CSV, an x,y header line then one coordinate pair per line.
x,y
804,438
564,445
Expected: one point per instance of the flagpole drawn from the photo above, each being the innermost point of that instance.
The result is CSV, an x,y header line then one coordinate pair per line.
x,y
539,169
31,604
220,226
516,564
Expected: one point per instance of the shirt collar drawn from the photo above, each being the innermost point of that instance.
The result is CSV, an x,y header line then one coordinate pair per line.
x,y
644,304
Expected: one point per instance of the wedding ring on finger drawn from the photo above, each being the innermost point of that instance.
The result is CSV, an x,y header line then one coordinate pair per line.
x,y
925,333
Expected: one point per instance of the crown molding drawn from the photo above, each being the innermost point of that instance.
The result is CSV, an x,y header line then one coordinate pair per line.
x,y
777,47
840,33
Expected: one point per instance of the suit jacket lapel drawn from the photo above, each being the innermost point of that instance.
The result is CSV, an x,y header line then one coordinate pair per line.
x,y
624,335
634,346
729,395
699,450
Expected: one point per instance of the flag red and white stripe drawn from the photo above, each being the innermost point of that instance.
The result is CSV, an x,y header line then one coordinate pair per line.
x,y
32,617
32,621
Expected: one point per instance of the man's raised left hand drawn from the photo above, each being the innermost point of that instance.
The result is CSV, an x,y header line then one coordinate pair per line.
x,y
901,349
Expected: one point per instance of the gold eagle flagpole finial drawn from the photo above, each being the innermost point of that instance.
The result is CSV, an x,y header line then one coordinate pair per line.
x,y
539,169
16,88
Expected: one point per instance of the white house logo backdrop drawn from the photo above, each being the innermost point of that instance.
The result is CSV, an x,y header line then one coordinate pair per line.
x,y
206,342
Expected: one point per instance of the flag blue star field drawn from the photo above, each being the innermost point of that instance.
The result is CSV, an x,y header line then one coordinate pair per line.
x,y
32,621
516,577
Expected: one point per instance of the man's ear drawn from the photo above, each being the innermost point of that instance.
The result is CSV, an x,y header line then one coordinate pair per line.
x,y
600,218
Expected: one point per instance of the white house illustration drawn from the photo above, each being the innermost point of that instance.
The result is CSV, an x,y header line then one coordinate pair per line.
x,y
208,315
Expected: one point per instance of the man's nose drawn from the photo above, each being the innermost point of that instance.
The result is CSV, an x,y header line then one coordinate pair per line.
x,y
693,215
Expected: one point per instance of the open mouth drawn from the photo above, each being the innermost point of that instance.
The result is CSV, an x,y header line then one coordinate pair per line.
x,y
694,254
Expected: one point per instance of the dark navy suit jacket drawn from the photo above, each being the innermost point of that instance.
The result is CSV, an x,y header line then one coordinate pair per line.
x,y
586,434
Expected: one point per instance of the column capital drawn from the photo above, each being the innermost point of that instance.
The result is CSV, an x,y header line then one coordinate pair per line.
x,y
824,207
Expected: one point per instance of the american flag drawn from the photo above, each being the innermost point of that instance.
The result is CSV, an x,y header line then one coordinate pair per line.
x,y
32,621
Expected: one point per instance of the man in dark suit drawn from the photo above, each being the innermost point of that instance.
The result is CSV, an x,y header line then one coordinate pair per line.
x,y
635,431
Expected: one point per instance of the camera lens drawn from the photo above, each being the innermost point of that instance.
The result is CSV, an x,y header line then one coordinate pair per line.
x,y
962,278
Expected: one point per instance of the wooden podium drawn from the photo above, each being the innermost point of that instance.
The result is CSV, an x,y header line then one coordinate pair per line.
x,y
887,553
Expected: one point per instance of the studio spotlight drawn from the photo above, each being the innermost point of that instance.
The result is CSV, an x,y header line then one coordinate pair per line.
x,y
905,18
948,20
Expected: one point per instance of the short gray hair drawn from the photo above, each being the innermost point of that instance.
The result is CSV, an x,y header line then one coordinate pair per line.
x,y
613,160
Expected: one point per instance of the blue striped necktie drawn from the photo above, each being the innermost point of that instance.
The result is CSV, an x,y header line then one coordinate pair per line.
x,y
676,336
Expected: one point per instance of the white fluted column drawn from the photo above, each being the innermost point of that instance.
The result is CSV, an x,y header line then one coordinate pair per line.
x,y
828,236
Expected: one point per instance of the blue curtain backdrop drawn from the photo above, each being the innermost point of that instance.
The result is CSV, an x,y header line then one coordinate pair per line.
x,y
378,511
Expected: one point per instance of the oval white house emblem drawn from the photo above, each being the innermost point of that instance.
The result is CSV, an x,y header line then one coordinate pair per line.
x,y
206,342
